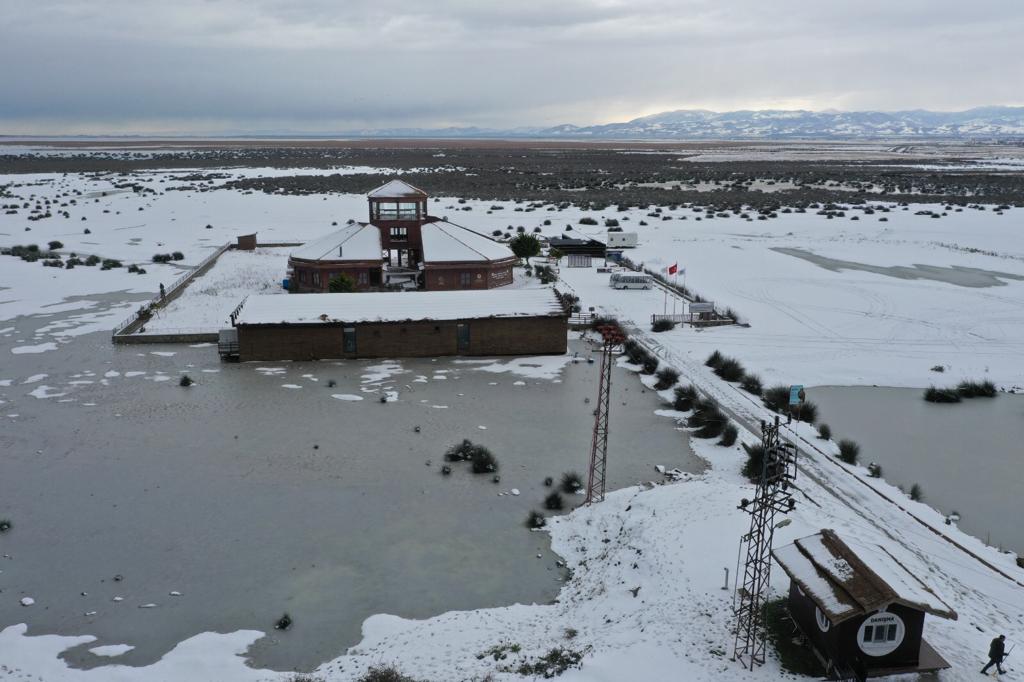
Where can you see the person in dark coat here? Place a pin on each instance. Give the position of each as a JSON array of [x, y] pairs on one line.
[[996, 654]]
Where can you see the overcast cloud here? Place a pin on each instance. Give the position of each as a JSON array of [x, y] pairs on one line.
[[207, 66]]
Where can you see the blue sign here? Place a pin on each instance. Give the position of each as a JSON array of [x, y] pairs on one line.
[[796, 394]]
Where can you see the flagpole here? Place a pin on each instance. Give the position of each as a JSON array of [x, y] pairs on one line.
[[664, 307], [675, 295]]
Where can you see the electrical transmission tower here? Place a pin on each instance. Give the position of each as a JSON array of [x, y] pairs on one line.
[[778, 470], [612, 337]]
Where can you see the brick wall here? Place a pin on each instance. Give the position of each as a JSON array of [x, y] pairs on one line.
[[498, 336], [482, 276]]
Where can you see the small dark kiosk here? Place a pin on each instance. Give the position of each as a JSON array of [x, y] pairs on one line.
[[859, 608]]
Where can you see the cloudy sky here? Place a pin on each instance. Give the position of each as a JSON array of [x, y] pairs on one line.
[[207, 66]]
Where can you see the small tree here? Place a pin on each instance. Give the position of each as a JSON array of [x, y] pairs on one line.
[[341, 284], [525, 246]]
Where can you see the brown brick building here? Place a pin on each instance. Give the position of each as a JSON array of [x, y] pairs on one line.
[[401, 246], [401, 324]]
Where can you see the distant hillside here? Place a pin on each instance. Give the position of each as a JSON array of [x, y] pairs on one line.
[[691, 124]]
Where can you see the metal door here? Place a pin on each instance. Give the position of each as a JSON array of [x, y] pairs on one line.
[[462, 334]]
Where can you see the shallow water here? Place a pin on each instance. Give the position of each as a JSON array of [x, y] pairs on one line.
[[965, 456], [253, 499]]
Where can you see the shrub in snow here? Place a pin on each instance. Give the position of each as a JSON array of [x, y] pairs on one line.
[[730, 369], [161, 258], [649, 365], [806, 412], [938, 368], [755, 462], [824, 431], [177, 255], [185, 380], [5, 525], [110, 263], [546, 275], [283, 623], [548, 482], [708, 420], [941, 395], [976, 389], [777, 398], [729, 436], [553, 663], [752, 384], [874, 470], [554, 502], [571, 483], [54, 245], [535, 520], [667, 377], [481, 459], [916, 493], [384, 673], [86, 230], [848, 451], [686, 397], [663, 326], [715, 359], [611, 222], [586, 220], [92, 260], [305, 678]]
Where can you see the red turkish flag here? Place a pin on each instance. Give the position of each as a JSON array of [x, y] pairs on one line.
[[672, 269]]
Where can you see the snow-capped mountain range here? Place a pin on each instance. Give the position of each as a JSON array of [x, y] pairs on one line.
[[697, 124]]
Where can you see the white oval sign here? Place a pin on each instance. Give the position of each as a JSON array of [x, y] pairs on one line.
[[881, 634]]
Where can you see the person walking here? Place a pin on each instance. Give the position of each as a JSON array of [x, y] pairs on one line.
[[996, 654]]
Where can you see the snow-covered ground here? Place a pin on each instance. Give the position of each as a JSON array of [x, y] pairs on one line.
[[809, 325], [818, 326], [206, 303]]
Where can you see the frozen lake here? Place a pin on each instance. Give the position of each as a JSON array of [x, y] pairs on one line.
[[258, 492], [965, 456]]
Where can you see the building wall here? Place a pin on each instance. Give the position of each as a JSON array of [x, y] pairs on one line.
[[448, 276], [246, 242], [839, 644], [303, 279], [487, 336]]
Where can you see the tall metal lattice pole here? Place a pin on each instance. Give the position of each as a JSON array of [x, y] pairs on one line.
[[772, 496], [612, 336]]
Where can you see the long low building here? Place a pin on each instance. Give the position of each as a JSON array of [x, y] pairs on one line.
[[401, 324]]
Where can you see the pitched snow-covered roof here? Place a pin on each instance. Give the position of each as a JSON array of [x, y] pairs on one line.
[[445, 242], [266, 309], [844, 583], [397, 189], [356, 241]]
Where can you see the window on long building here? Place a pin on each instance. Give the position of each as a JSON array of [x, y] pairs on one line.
[[465, 279]]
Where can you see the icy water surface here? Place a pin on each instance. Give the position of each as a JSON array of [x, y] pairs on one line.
[[954, 274], [263, 490], [965, 456]]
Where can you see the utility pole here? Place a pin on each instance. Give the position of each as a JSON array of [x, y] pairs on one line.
[[611, 337], [772, 496]]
